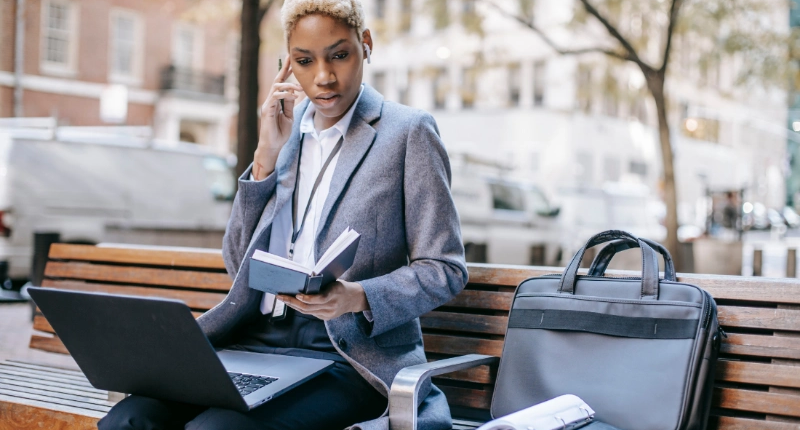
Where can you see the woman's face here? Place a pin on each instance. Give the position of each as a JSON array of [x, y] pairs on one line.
[[327, 61]]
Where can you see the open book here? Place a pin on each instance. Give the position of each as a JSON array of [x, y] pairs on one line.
[[277, 275]]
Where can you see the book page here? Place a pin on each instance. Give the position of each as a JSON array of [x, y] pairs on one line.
[[341, 243], [276, 260]]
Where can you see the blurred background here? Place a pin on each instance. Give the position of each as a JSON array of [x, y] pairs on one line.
[[677, 120]]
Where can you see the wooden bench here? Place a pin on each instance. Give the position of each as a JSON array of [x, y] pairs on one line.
[[758, 378]]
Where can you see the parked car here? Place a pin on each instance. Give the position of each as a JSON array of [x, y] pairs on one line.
[[108, 189], [791, 217]]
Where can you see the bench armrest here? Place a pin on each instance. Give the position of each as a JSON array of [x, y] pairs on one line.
[[405, 387]]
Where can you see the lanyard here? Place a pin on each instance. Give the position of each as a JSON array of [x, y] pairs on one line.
[[296, 232]]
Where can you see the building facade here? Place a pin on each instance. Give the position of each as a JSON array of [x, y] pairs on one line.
[[164, 64], [499, 92]]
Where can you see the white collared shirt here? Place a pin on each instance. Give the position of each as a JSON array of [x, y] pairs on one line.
[[316, 149]]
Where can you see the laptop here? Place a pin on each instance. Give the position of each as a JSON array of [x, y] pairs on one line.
[[154, 347]]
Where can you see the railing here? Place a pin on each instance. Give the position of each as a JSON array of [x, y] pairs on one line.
[[174, 78]]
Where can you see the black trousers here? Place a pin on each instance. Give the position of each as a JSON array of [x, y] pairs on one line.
[[334, 400]]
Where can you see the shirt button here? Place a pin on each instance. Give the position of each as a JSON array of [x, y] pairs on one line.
[[342, 344]]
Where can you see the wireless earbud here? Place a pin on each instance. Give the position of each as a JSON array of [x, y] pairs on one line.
[[367, 50]]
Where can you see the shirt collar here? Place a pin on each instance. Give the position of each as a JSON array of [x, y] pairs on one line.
[[307, 122]]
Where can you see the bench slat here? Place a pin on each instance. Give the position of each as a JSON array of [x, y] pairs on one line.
[[757, 401], [480, 375], [55, 386], [58, 394], [160, 256], [40, 323], [456, 345], [467, 397], [464, 322], [47, 388], [731, 423], [139, 275], [762, 346], [476, 299], [55, 400], [194, 299], [48, 369], [759, 373], [26, 414], [44, 376], [721, 287], [766, 318], [50, 344]]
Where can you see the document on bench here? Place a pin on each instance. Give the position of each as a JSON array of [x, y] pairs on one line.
[[563, 412], [277, 275]]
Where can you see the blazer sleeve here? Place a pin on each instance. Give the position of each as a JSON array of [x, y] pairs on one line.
[[248, 205], [436, 271]]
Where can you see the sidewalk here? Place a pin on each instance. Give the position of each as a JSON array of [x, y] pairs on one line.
[[15, 333]]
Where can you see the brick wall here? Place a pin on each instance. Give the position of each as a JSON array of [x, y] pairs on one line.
[[79, 111], [93, 53], [7, 13]]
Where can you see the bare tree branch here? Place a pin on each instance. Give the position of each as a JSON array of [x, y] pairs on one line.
[[673, 19], [553, 45], [616, 34]]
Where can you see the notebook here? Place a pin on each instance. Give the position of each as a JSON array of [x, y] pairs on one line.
[[277, 275]]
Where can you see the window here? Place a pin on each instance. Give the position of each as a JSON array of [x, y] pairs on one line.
[[187, 47], [612, 169], [219, 178], [514, 84], [380, 9], [441, 86], [405, 15], [470, 18], [441, 15], [126, 46], [507, 197], [379, 82], [539, 68], [584, 168], [232, 66], [638, 168], [469, 91], [585, 88], [59, 24], [404, 87]]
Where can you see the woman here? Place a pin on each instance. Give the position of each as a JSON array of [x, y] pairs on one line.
[[380, 168]]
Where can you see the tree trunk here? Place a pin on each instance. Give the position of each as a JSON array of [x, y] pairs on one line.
[[247, 121], [655, 83]]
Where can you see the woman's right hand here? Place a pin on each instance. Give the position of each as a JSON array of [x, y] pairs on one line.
[[276, 125]]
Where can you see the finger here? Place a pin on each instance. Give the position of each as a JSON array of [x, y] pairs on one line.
[[273, 109], [286, 86], [288, 104], [315, 299], [285, 71]]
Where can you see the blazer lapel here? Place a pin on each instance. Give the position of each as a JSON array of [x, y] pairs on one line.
[[359, 139]]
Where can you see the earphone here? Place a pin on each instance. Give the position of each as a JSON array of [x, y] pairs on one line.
[[366, 48]]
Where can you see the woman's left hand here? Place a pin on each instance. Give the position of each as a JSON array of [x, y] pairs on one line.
[[338, 298]]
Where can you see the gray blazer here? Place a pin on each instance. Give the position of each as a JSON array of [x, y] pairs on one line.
[[392, 185]]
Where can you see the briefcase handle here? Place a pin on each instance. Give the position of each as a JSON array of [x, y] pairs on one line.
[[649, 264], [600, 263]]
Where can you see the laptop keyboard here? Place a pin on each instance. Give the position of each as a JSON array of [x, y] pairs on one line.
[[247, 384]]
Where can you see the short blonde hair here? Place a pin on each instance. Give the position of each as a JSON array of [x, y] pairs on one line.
[[348, 11]]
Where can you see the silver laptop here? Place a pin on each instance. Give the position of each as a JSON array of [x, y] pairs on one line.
[[154, 347]]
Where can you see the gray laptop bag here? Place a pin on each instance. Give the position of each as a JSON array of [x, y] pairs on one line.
[[640, 351]]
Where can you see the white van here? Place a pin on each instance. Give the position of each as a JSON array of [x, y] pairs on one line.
[[504, 221], [94, 187]]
